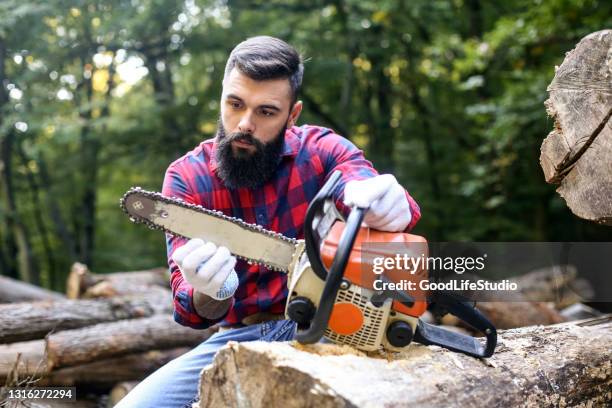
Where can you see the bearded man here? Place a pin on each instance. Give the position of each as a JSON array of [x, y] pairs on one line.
[[263, 169]]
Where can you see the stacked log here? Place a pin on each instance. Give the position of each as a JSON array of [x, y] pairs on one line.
[[83, 284], [12, 291], [26, 321], [110, 329]]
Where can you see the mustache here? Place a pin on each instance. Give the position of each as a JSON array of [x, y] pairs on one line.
[[242, 137]]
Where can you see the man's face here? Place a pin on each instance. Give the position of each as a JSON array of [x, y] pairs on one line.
[[261, 108], [250, 136]]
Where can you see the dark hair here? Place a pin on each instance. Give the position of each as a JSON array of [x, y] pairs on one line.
[[264, 57]]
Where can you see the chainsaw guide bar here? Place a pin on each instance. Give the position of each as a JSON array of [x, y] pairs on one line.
[[249, 242]]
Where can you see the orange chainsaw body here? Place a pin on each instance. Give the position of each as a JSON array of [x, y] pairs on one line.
[[359, 270]]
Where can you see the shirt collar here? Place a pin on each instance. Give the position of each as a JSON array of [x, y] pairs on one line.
[[290, 146]]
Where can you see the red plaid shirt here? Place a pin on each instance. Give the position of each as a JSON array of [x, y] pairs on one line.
[[310, 155]]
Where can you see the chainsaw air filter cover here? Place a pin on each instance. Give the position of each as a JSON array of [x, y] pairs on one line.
[[369, 245]]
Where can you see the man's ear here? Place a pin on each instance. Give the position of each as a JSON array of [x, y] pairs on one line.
[[295, 114]]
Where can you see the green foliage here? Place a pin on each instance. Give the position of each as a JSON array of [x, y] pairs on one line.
[[448, 95]]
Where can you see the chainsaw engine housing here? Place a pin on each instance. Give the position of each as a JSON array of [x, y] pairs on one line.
[[355, 320], [332, 291]]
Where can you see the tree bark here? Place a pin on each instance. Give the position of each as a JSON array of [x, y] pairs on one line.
[[26, 321], [82, 283], [12, 290], [563, 365], [576, 154], [74, 347]]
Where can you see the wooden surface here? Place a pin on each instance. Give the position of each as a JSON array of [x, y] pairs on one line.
[[74, 347], [82, 283], [26, 321], [562, 365], [577, 154], [131, 367], [12, 291]]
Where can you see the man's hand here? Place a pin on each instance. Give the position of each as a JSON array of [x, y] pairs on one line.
[[210, 270], [389, 208]]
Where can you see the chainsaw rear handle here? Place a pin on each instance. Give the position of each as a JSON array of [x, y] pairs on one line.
[[333, 276], [434, 335]]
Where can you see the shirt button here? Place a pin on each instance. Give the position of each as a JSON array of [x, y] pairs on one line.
[[261, 217]]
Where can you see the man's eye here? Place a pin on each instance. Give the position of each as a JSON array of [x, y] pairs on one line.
[[266, 112]]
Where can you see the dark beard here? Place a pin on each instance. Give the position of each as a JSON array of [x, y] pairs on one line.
[[243, 169]]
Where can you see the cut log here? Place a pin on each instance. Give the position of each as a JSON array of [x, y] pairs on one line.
[[512, 309], [559, 284], [26, 321], [22, 360], [79, 346], [563, 365], [510, 315], [82, 283], [576, 154], [133, 367], [12, 290]]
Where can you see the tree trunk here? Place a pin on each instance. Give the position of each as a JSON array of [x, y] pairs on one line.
[[12, 291], [576, 154], [26, 321], [24, 257], [61, 227], [7, 262], [41, 227], [73, 347], [564, 365], [90, 147]]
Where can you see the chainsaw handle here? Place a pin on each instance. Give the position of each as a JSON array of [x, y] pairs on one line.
[[333, 280], [433, 335], [332, 277], [311, 237]]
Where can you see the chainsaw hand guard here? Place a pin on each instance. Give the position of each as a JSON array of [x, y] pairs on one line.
[[429, 334], [333, 276]]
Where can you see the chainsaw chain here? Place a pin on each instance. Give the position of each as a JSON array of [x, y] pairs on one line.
[[214, 213]]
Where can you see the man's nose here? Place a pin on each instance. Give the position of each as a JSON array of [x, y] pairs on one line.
[[246, 124]]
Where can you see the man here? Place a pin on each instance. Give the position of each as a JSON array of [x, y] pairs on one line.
[[265, 170]]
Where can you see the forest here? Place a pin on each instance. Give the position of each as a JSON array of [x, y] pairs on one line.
[[99, 96]]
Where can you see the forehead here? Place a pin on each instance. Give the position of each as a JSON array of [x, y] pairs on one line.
[[257, 92]]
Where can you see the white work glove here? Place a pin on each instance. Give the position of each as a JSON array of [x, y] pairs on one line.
[[210, 270], [386, 198]]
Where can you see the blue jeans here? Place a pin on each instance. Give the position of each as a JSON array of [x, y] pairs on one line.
[[175, 385]]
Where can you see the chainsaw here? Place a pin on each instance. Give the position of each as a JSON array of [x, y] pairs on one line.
[[330, 293]]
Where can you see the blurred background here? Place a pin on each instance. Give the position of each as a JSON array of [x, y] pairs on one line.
[[98, 96]]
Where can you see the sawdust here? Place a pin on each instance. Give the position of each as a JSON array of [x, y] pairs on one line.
[[322, 349], [325, 349]]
